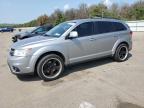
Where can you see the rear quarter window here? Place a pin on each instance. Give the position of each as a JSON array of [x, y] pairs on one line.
[[101, 27], [118, 27]]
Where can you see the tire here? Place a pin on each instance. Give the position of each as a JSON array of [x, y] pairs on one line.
[[121, 53], [14, 39], [48, 65]]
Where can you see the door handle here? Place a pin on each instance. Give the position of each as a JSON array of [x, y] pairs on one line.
[[92, 39]]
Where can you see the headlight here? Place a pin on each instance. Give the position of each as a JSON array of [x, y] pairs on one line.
[[21, 52]]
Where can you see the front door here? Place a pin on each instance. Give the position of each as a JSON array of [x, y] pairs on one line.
[[80, 48]]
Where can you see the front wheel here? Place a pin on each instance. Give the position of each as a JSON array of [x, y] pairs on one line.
[[121, 53], [50, 67]]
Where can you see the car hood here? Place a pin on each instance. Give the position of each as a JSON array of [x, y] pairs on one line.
[[21, 34], [38, 40]]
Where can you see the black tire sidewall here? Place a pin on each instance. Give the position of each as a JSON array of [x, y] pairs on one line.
[[40, 63], [116, 55]]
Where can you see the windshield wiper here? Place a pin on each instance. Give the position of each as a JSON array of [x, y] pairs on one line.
[[46, 35]]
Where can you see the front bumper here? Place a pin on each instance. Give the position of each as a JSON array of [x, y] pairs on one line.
[[20, 65]]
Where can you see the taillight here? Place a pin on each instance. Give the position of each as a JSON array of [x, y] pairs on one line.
[[131, 33]]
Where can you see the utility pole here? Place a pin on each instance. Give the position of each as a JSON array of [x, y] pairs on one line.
[[102, 11]]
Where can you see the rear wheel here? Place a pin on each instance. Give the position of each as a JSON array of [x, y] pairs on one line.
[[121, 53], [50, 67]]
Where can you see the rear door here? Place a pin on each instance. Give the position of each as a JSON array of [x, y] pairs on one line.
[[104, 38]]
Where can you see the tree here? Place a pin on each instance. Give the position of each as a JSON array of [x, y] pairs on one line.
[[99, 10], [114, 11], [125, 12], [134, 11], [59, 17], [82, 12], [137, 10], [70, 14], [42, 20]]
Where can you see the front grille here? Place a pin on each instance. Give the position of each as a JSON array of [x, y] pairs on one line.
[[12, 52]]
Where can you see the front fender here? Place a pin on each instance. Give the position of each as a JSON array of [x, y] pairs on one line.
[[44, 50]]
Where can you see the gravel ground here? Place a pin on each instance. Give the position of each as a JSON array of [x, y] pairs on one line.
[[98, 84]]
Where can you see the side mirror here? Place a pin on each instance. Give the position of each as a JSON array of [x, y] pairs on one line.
[[36, 33], [73, 34]]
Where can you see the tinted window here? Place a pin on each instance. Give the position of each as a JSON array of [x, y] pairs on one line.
[[103, 27], [85, 29], [118, 26], [41, 29], [48, 28], [107, 27]]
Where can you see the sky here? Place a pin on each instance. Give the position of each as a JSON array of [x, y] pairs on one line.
[[21, 11]]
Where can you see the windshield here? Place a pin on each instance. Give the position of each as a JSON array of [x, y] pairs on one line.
[[37, 29], [59, 29]]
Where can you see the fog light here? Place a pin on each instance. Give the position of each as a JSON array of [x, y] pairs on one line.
[[16, 69]]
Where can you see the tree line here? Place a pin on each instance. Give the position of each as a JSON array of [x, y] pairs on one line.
[[125, 12]]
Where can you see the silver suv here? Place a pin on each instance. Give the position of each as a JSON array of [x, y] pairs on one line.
[[70, 42]]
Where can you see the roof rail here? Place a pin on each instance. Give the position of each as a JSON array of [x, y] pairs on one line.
[[98, 17]]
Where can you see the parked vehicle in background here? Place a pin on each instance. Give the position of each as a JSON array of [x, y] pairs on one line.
[[7, 29], [70, 42], [27, 34]]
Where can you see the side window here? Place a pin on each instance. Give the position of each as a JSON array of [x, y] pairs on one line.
[[101, 27], [39, 30], [85, 29], [45, 29], [96, 28], [48, 28], [118, 26]]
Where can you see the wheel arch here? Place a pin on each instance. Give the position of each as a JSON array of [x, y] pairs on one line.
[[47, 53], [117, 44]]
